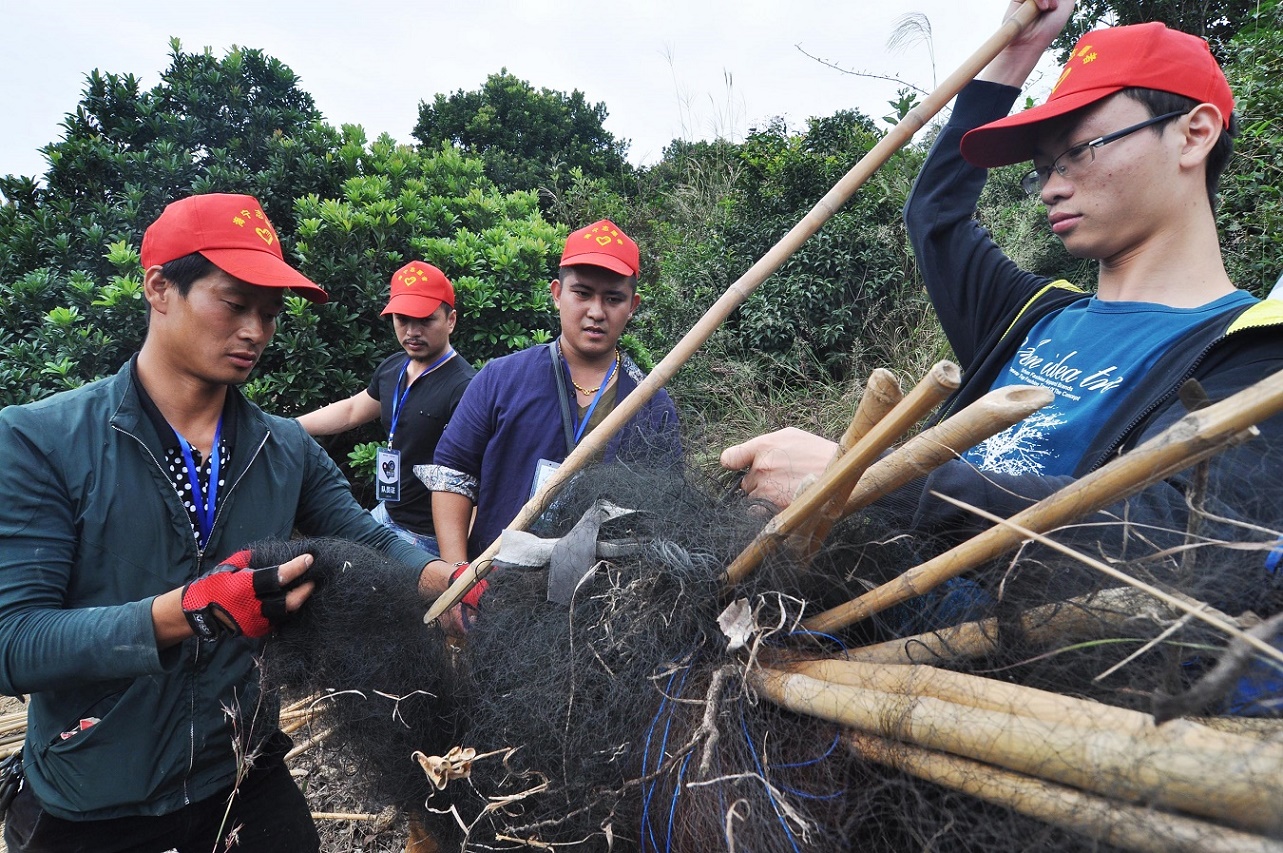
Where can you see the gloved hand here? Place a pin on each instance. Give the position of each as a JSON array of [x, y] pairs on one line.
[[471, 601], [235, 599]]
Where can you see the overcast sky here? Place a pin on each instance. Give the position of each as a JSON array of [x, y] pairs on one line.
[[665, 69]]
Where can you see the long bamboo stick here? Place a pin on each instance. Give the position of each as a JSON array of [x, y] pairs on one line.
[[1240, 786], [930, 392], [1197, 436], [1118, 824], [741, 288]]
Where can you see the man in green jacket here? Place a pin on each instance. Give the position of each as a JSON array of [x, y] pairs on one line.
[[126, 611]]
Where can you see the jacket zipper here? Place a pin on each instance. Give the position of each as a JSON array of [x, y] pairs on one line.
[[200, 566]]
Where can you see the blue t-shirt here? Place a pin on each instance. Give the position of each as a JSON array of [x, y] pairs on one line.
[[1089, 354]]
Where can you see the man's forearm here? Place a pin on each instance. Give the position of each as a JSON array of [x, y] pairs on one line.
[[451, 514]]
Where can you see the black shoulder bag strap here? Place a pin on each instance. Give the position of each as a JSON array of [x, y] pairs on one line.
[[567, 421]]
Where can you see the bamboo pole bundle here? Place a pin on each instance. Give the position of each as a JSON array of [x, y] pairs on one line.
[[1195, 437], [1235, 781], [1118, 824], [740, 290], [841, 477]]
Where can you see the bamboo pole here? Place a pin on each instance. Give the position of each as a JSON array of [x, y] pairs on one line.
[[1117, 824], [1099, 614], [931, 390], [1174, 768], [741, 288], [1197, 436], [882, 393]]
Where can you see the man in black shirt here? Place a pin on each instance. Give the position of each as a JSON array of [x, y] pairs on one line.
[[414, 393]]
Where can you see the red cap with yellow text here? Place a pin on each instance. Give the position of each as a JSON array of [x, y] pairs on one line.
[[1145, 56], [233, 233], [602, 244], [418, 289]]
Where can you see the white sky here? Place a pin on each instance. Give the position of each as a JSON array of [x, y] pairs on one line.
[[665, 69]]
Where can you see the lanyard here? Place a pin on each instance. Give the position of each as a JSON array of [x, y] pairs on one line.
[[205, 504], [398, 400], [579, 430]]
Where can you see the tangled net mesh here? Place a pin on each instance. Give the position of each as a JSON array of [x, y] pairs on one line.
[[629, 720]]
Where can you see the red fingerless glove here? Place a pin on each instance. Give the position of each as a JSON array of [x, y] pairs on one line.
[[234, 599], [471, 601]]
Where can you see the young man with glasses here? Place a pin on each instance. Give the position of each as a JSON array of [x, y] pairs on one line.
[[1126, 155]]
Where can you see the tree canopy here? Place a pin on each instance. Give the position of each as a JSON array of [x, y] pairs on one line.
[[528, 138]]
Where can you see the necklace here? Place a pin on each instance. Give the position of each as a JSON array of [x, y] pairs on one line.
[[590, 391]]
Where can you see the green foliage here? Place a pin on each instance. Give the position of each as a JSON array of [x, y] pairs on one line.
[[407, 203], [1215, 20], [822, 308], [349, 213], [1251, 207], [528, 139]]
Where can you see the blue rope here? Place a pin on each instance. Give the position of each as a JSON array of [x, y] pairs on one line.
[[665, 712], [757, 762], [672, 807]]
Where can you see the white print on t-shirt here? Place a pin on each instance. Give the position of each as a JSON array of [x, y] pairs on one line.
[[1020, 449], [1059, 373]]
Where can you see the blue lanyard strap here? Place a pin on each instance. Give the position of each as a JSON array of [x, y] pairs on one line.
[[398, 400], [205, 504], [579, 430]]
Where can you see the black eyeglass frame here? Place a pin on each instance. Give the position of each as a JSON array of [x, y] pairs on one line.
[[1035, 180]]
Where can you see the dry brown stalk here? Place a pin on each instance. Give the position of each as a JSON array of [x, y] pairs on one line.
[[1197, 436], [344, 816], [301, 704], [303, 747], [1179, 766], [739, 290], [1117, 824], [13, 721], [841, 477], [1101, 614]]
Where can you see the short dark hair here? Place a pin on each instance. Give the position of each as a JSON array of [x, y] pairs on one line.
[[183, 272], [1158, 102], [630, 280]]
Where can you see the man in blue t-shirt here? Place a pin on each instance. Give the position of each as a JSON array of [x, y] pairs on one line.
[[525, 412], [414, 393], [1126, 154]]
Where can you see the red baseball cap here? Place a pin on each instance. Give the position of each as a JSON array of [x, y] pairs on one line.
[[602, 244], [233, 233], [418, 289], [1146, 56]]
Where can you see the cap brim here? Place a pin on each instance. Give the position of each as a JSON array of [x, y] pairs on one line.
[[264, 269], [599, 259], [412, 305], [1011, 139]]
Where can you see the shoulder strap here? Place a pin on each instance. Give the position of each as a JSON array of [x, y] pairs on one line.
[[567, 420]]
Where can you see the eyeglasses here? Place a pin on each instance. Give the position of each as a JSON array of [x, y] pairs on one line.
[[1074, 160]]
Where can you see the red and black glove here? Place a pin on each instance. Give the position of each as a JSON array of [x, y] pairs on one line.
[[235, 599], [471, 600]]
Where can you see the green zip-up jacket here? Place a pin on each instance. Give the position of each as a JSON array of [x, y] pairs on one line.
[[91, 530]]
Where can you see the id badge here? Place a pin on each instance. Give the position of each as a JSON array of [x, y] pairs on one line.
[[387, 475], [543, 470]]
